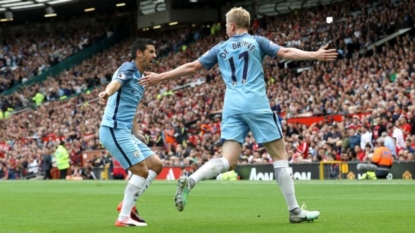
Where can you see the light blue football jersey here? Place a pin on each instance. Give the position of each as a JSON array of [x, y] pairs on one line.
[[240, 62], [122, 105]]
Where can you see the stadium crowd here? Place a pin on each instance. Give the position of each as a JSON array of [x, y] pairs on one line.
[[374, 90], [31, 49]]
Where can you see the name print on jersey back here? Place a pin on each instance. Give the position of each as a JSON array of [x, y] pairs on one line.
[[238, 45], [235, 53]]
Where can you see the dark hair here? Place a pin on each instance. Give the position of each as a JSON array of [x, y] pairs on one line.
[[140, 44]]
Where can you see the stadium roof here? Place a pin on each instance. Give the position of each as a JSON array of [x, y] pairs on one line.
[[17, 5], [24, 10]]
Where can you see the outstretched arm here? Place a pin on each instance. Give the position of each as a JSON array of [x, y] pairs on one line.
[[183, 70], [271, 49], [293, 54], [207, 60]]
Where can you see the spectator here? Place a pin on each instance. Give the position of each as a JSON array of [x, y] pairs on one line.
[[3, 172], [398, 134], [62, 160], [359, 153], [389, 143], [117, 172], [180, 133], [354, 139], [32, 168], [368, 150], [405, 127], [408, 146], [193, 168], [366, 138], [98, 161], [46, 164], [76, 173], [302, 148], [334, 135], [89, 175]]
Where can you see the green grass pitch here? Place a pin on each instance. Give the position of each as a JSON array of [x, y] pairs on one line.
[[213, 206]]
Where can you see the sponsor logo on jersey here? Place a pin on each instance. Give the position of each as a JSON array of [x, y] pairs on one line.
[[121, 75]]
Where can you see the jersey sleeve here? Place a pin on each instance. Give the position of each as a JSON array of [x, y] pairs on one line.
[[124, 73], [210, 58], [267, 47]]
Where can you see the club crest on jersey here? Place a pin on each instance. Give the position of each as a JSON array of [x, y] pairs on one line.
[[121, 75]]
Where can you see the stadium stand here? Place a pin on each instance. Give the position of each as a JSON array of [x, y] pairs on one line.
[[327, 110], [31, 49]]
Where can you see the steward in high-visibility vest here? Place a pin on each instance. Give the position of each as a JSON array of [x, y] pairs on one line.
[[382, 158], [62, 160], [38, 98], [381, 162]]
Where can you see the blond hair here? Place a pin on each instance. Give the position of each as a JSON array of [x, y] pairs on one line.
[[239, 16]]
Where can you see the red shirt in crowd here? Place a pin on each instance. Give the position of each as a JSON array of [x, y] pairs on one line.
[[398, 149], [255, 146], [354, 126], [3, 148], [193, 139], [118, 169], [53, 137], [406, 128], [376, 132], [361, 156], [302, 148], [88, 136]]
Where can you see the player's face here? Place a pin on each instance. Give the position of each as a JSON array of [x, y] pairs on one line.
[[147, 58]]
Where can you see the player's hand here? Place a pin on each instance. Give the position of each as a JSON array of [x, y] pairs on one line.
[[141, 138], [324, 54], [150, 79], [103, 97]]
